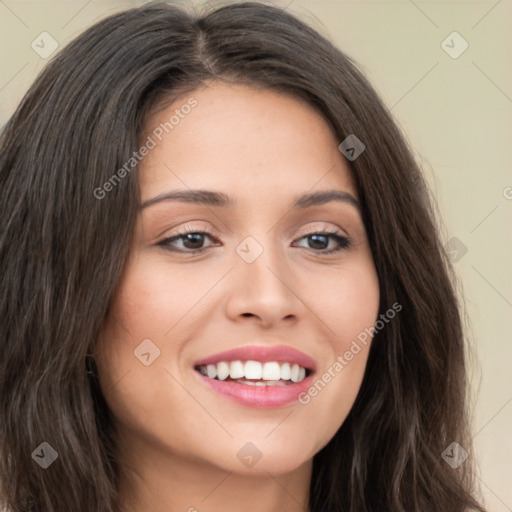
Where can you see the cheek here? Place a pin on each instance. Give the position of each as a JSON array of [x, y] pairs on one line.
[[349, 311], [347, 301], [154, 297], [357, 305], [151, 303]]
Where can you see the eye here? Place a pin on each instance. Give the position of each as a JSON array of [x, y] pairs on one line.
[[192, 240], [320, 240]]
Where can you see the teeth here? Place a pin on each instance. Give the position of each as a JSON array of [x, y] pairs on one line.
[[212, 371], [252, 370], [236, 370], [262, 383], [222, 370], [272, 371], [285, 371], [294, 373], [255, 373]]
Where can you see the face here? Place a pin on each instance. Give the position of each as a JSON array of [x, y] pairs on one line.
[[279, 280]]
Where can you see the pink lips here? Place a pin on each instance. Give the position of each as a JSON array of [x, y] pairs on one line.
[[253, 396], [259, 396], [280, 354]]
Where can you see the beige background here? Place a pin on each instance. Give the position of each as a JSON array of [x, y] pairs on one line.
[[457, 114]]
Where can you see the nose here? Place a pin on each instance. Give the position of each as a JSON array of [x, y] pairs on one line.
[[263, 291]]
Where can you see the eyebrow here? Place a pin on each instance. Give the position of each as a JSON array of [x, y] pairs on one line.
[[219, 199]]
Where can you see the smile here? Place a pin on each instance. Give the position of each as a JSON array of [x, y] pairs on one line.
[[255, 373], [257, 376]]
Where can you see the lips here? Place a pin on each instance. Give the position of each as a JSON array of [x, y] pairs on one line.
[[279, 354], [257, 376]]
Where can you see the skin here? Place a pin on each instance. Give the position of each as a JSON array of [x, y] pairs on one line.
[[178, 440]]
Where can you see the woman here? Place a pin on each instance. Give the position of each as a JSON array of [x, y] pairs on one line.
[[223, 286]]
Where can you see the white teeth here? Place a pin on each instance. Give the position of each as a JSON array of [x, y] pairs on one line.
[[275, 383], [255, 373], [253, 370], [262, 383], [271, 371], [285, 371], [222, 370], [212, 370], [253, 383], [294, 373], [236, 369]]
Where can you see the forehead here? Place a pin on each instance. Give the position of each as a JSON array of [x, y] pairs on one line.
[[241, 138]]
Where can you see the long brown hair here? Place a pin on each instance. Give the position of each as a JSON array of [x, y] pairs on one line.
[[62, 250]]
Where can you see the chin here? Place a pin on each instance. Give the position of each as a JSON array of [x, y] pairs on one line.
[[260, 457]]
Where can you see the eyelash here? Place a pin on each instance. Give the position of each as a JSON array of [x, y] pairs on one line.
[[343, 241]]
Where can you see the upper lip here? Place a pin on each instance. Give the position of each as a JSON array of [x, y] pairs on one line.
[[278, 353]]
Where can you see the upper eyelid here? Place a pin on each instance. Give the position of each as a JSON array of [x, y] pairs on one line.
[[327, 226], [186, 231], [327, 231]]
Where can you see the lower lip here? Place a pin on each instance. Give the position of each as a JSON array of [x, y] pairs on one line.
[[258, 396]]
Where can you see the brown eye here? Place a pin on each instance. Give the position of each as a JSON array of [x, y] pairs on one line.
[[191, 239], [320, 241]]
